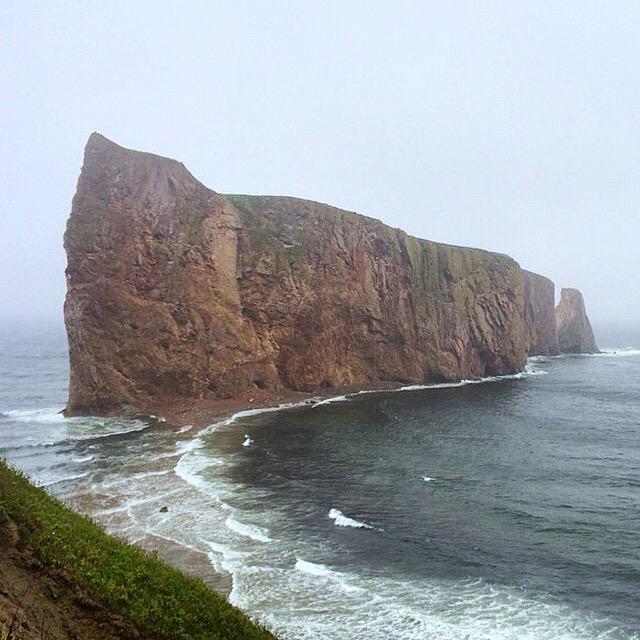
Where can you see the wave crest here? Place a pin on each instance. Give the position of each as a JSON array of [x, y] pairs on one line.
[[343, 521], [247, 530]]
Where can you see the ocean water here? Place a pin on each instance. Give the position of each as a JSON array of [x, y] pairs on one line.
[[503, 509]]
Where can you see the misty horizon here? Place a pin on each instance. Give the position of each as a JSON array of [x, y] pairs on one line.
[[508, 128]]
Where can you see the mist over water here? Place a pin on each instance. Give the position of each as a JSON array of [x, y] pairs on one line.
[[507, 509]]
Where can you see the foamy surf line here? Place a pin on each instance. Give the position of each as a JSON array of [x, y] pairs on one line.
[[245, 530], [605, 352], [610, 352], [192, 464], [90, 436], [69, 478], [528, 371], [248, 413], [323, 572], [68, 430], [49, 414], [186, 448]]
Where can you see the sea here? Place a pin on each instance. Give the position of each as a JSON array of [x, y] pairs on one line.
[[507, 508]]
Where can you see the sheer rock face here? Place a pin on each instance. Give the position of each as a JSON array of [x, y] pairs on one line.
[[575, 334], [539, 313], [177, 292], [152, 307]]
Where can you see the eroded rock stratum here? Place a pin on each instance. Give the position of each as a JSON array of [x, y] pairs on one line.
[[178, 292]]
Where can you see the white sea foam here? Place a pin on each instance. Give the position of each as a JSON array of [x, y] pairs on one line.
[[138, 426], [134, 478], [247, 413], [317, 570], [132, 503], [180, 543], [247, 530], [168, 454], [529, 370], [247, 440], [49, 483], [83, 459], [74, 429], [36, 415], [223, 557], [605, 352], [538, 358], [187, 446], [186, 428], [217, 562], [312, 568], [224, 550], [295, 604], [615, 353], [329, 401], [343, 521], [190, 466]]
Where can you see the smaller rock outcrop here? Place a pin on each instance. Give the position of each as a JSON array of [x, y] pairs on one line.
[[575, 334], [539, 314]]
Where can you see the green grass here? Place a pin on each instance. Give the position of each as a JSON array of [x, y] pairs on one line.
[[160, 601]]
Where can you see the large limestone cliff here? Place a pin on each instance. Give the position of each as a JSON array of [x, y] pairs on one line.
[[575, 334], [539, 313], [177, 292]]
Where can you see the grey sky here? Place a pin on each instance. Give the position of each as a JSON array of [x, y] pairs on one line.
[[512, 126]]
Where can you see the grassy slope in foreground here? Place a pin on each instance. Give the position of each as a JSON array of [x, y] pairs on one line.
[[159, 601]]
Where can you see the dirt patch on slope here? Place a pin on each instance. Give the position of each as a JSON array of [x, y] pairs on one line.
[[39, 604]]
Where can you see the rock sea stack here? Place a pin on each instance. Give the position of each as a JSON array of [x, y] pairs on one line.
[[575, 334], [176, 292]]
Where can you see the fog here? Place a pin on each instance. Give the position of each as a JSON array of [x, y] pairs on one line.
[[512, 126]]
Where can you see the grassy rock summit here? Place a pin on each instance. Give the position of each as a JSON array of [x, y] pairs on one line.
[[177, 292]]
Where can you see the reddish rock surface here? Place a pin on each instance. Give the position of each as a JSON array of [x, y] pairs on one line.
[[539, 313], [176, 292], [575, 334]]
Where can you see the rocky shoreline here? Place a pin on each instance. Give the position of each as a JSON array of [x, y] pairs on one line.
[[203, 412]]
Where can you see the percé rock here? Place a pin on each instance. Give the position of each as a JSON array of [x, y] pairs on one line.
[[575, 334], [539, 312], [177, 292]]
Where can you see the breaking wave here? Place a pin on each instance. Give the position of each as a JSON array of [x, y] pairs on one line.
[[248, 530], [343, 521]]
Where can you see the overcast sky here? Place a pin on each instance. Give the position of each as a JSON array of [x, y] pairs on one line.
[[512, 126]]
